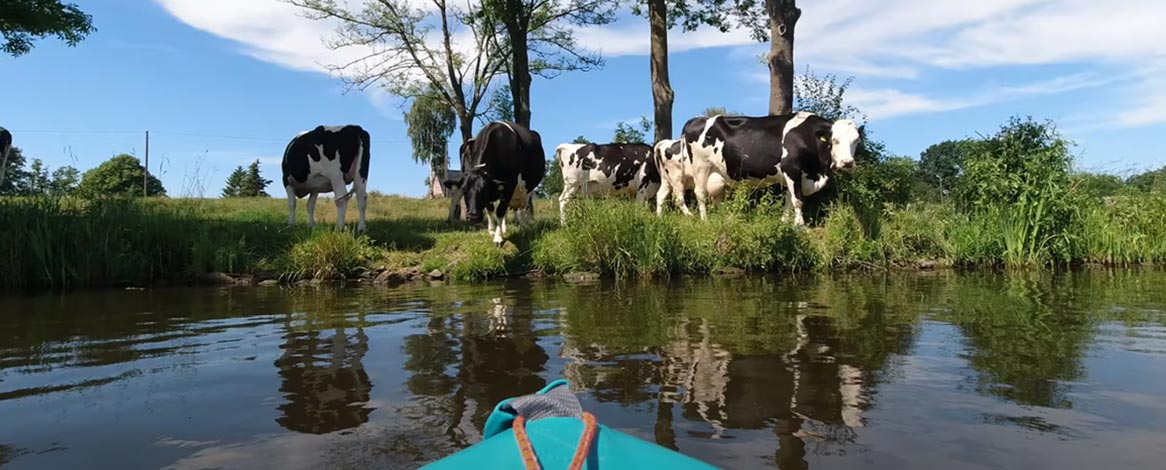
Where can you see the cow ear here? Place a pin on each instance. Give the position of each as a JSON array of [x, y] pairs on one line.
[[452, 184]]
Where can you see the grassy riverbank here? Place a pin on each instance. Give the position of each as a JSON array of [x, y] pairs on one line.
[[71, 242]]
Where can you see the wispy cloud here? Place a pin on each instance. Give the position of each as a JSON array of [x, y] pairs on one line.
[[889, 40]]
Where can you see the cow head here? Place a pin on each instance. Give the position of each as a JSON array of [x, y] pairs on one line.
[[479, 190], [840, 143]]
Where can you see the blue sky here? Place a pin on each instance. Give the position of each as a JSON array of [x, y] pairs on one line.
[[222, 82]]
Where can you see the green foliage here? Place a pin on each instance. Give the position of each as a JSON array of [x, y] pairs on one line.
[[941, 165], [552, 183], [1125, 230], [844, 242], [1021, 180], [16, 178], [621, 239], [22, 22], [1150, 181], [118, 176], [38, 181], [718, 111], [501, 105], [246, 182], [65, 180], [328, 255], [1098, 184], [580, 140], [430, 122], [825, 96], [632, 134]]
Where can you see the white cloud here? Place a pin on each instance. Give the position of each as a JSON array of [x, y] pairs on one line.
[[889, 39]]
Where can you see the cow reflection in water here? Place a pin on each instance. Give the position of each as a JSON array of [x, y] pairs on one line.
[[469, 360], [813, 395], [324, 381]]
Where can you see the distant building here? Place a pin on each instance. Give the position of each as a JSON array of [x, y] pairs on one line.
[[436, 189]]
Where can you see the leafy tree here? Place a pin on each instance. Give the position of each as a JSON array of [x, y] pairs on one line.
[[22, 22], [824, 96], [414, 52], [38, 178], [580, 140], [542, 30], [430, 123], [1020, 178], [1098, 184], [246, 182], [1025, 157], [664, 15], [632, 134], [553, 181], [718, 111], [1150, 181], [501, 105], [236, 183], [65, 180], [941, 165], [118, 176], [16, 178], [257, 185]]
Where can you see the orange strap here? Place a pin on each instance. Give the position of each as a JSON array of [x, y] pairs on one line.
[[530, 460]]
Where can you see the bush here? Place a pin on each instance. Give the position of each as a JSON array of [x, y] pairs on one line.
[[1021, 180], [328, 255]]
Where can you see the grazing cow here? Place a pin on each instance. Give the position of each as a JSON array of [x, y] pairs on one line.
[[5, 147], [676, 176], [327, 159], [502, 166], [798, 151], [624, 169]]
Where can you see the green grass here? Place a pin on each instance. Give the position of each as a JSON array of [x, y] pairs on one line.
[[70, 242]]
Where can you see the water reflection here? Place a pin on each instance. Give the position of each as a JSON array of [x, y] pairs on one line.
[[810, 379], [323, 380], [888, 371]]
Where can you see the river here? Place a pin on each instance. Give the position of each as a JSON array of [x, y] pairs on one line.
[[953, 371]]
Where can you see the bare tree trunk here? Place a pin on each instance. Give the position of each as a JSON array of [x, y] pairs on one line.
[[783, 17], [662, 95], [517, 26], [456, 204]]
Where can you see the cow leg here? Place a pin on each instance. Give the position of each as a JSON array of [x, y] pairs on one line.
[[503, 205], [564, 198], [291, 205], [340, 192], [662, 195], [360, 186], [700, 187], [526, 215], [312, 209], [793, 199]]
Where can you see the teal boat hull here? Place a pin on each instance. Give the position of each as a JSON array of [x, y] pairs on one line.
[[555, 439]]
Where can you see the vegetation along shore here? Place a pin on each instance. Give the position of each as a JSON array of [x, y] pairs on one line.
[[1010, 200]]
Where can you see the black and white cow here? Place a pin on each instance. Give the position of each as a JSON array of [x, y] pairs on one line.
[[5, 147], [592, 169], [798, 151], [676, 176], [501, 167], [327, 159]]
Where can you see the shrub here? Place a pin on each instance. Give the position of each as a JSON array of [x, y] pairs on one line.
[[328, 255]]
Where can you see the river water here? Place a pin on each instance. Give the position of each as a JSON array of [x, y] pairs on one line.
[[1058, 371]]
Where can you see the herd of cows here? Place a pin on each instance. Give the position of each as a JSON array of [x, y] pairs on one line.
[[504, 163]]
